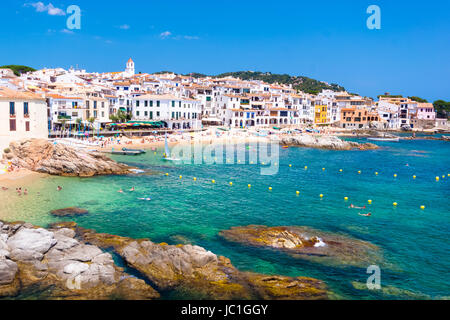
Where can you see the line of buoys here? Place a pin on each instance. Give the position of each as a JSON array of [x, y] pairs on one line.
[[437, 178]]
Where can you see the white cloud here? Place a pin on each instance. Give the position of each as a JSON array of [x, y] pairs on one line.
[[50, 9], [66, 31], [191, 37], [124, 27], [165, 34]]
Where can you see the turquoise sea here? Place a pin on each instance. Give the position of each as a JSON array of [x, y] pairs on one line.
[[415, 242]]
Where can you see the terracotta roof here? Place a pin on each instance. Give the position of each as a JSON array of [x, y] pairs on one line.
[[6, 93]]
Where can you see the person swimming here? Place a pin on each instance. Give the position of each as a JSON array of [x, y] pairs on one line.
[[145, 199], [132, 189], [59, 188], [352, 206], [365, 214], [120, 191]]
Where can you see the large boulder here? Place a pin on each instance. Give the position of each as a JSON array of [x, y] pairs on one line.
[[57, 159], [308, 244]]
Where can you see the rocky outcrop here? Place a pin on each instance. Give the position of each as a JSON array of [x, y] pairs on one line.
[[69, 212], [53, 264], [306, 243], [196, 272], [324, 142], [57, 159]]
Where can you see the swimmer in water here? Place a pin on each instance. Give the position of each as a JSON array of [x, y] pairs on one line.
[[352, 206], [59, 188], [145, 199], [132, 189], [365, 214], [120, 191]]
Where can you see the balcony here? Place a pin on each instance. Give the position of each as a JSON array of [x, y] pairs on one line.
[[61, 117]]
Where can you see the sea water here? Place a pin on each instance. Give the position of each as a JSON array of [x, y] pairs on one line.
[[414, 242]]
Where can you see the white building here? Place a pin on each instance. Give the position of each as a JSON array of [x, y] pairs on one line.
[[22, 115], [130, 71], [177, 113]]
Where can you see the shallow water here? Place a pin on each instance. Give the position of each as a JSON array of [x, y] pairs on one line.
[[415, 243]]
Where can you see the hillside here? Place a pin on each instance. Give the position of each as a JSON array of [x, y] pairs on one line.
[[18, 70], [302, 83]]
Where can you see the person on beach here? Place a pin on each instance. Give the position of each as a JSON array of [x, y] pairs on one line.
[[25, 192], [4, 188], [59, 188]]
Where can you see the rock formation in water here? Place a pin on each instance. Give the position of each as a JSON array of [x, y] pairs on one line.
[[192, 270], [69, 212], [57, 159], [306, 243], [53, 264], [324, 142]]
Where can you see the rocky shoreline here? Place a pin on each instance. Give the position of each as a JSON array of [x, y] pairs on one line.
[[42, 156], [325, 142], [66, 261]]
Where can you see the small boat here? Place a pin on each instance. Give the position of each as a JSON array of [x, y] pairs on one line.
[[126, 153], [138, 150], [285, 147], [395, 139], [166, 155]]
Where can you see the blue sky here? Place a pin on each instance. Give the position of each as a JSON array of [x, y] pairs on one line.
[[326, 40]]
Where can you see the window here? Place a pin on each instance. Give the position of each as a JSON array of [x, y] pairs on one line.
[[12, 124], [173, 103], [95, 104], [95, 114], [157, 103], [145, 113], [27, 126], [145, 103], [87, 103], [12, 109], [157, 113], [137, 113], [151, 103], [25, 108], [137, 103], [151, 115]]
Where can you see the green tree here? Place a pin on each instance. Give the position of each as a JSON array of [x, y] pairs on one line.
[[417, 99], [442, 108]]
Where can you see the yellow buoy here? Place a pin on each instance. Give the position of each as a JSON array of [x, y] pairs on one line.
[[290, 166], [167, 174], [369, 201], [213, 181], [195, 179], [231, 183], [395, 175], [262, 163], [155, 152], [249, 185], [414, 177], [340, 170], [297, 192], [395, 204], [306, 167], [443, 177], [323, 169], [270, 188], [376, 173], [437, 178], [359, 172], [321, 195], [239, 161], [345, 198], [251, 162], [422, 207], [181, 177], [448, 175]]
